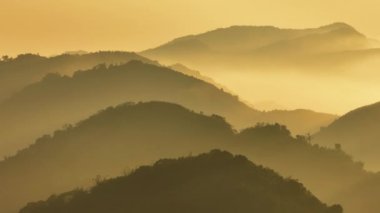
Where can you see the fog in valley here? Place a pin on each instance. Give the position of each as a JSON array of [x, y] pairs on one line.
[[194, 107]]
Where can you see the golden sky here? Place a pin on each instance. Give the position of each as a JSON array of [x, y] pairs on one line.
[[53, 26]]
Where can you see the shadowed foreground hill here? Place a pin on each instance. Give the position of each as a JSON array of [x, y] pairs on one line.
[[59, 100], [130, 135], [358, 133], [19, 72], [213, 182]]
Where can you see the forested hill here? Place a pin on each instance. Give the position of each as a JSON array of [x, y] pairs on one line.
[[16, 73], [58, 100], [120, 138], [213, 182]]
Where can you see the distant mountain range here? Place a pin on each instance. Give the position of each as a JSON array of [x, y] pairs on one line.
[[58, 100], [212, 182], [244, 47], [120, 138], [358, 134]]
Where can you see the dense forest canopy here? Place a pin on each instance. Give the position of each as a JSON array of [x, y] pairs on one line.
[[213, 182]]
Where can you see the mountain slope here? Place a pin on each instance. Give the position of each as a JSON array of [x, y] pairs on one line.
[[19, 72], [130, 135], [213, 182], [358, 133], [363, 196], [59, 100], [305, 117], [107, 143], [249, 46]]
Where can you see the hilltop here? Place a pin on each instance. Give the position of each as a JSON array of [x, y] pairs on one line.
[[120, 138], [242, 47], [58, 100], [25, 69], [213, 182], [357, 132]]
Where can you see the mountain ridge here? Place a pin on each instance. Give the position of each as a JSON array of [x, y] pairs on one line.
[[357, 132], [216, 181], [58, 100], [26, 69], [246, 45], [120, 138]]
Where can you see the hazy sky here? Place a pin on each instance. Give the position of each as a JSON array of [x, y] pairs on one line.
[[50, 27]]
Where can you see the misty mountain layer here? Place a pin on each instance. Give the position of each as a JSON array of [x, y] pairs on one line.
[[358, 133], [121, 138], [59, 100], [240, 47], [25, 69], [276, 68]]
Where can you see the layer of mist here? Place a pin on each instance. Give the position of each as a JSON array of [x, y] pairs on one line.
[[122, 138], [58, 100]]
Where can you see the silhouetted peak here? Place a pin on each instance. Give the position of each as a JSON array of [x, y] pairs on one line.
[[266, 131], [214, 158], [242, 39], [227, 30], [342, 28], [338, 25], [371, 112], [246, 28], [30, 57], [130, 65], [263, 29], [152, 108]]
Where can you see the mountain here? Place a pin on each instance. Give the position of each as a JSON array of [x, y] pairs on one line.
[[358, 133], [120, 138], [58, 100], [108, 143], [274, 147], [213, 182], [239, 47], [293, 68], [25, 69]]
